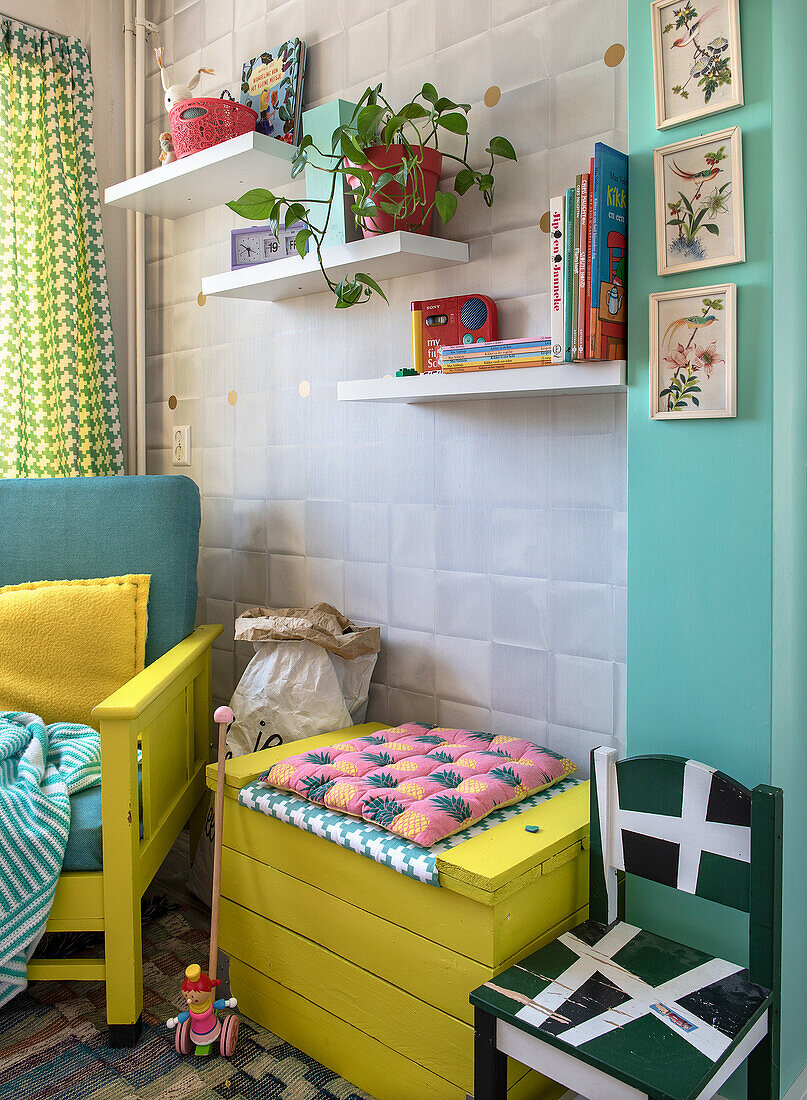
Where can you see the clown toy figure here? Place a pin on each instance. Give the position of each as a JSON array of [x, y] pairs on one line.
[[199, 1027]]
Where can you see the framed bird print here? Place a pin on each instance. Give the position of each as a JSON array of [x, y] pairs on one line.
[[696, 58], [693, 366], [700, 218]]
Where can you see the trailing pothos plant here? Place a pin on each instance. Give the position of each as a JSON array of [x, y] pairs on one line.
[[374, 122]]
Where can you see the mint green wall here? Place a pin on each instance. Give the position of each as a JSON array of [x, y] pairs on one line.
[[716, 509], [789, 666]]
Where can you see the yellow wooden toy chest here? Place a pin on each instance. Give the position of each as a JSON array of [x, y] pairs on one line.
[[369, 971]]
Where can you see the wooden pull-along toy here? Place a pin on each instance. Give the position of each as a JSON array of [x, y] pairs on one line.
[[199, 1027]]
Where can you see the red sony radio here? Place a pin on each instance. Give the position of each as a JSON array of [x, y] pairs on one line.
[[440, 322]]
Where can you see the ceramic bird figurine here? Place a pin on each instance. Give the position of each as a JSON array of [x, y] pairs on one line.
[[694, 324], [177, 93], [167, 154], [693, 29]]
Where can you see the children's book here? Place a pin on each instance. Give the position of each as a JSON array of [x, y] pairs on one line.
[[581, 277], [272, 85], [578, 187], [587, 310], [490, 347], [609, 257], [556, 273], [507, 363], [568, 271]]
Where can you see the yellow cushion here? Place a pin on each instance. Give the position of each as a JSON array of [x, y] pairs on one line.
[[66, 645]]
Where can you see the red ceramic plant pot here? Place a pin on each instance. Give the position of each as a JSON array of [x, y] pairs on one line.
[[381, 159]]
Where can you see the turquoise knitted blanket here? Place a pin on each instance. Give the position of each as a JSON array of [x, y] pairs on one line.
[[40, 767]]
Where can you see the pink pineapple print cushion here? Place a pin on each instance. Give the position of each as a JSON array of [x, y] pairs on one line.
[[421, 782]]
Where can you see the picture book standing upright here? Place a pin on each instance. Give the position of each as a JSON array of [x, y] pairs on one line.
[[557, 291], [609, 241], [272, 85], [582, 281], [568, 272]]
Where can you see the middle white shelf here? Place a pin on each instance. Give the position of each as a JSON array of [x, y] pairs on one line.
[[385, 257]]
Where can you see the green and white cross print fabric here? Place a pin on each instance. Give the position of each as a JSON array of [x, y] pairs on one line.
[[677, 822], [641, 1008], [59, 411]]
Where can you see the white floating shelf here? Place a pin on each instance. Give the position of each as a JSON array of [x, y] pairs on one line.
[[384, 257], [208, 178], [559, 378]]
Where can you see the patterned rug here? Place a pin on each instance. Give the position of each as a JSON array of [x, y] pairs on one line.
[[53, 1042]]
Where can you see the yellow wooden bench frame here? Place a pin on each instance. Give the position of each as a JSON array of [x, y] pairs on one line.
[[166, 711], [369, 971]]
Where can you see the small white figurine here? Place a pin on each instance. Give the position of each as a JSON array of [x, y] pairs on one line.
[[177, 93], [167, 154]]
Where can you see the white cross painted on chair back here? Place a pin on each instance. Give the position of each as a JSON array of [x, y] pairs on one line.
[[691, 831]]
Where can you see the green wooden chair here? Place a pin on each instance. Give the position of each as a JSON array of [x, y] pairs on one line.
[[615, 1012]]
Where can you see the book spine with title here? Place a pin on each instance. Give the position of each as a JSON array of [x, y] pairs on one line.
[[587, 303], [578, 187], [609, 257], [500, 364], [581, 274], [557, 286], [568, 271]]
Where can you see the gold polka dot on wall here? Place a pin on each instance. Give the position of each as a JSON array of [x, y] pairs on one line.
[[172, 402], [614, 55], [544, 222], [304, 389], [201, 298], [492, 96], [232, 397]]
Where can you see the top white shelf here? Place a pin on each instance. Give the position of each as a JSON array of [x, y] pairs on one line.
[[205, 179]]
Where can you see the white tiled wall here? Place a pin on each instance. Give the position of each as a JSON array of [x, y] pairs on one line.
[[487, 538]]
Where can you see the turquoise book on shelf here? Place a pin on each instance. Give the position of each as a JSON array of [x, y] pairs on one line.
[[609, 315]]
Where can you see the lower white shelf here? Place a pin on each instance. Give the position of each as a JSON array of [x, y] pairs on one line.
[[558, 378], [384, 257]]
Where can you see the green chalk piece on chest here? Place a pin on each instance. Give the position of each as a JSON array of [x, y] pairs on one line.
[[320, 123], [531, 829]]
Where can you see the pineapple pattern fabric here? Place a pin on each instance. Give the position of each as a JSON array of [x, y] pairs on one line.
[[421, 782]]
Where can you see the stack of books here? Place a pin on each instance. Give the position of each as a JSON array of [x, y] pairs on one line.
[[588, 276], [495, 355]]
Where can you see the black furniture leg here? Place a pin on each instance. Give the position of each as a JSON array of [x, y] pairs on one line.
[[763, 1072], [125, 1035], [490, 1065]]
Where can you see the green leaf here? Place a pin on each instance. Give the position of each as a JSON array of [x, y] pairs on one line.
[[711, 228], [464, 180], [301, 240], [368, 120], [695, 402], [501, 147], [372, 284], [298, 164], [429, 92], [351, 151], [485, 182], [456, 123], [414, 110], [383, 180], [254, 205], [394, 123], [294, 214], [446, 204]]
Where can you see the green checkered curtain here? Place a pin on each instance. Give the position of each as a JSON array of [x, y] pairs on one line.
[[59, 411]]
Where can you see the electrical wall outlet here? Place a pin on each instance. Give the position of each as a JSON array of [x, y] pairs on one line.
[[181, 436]]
